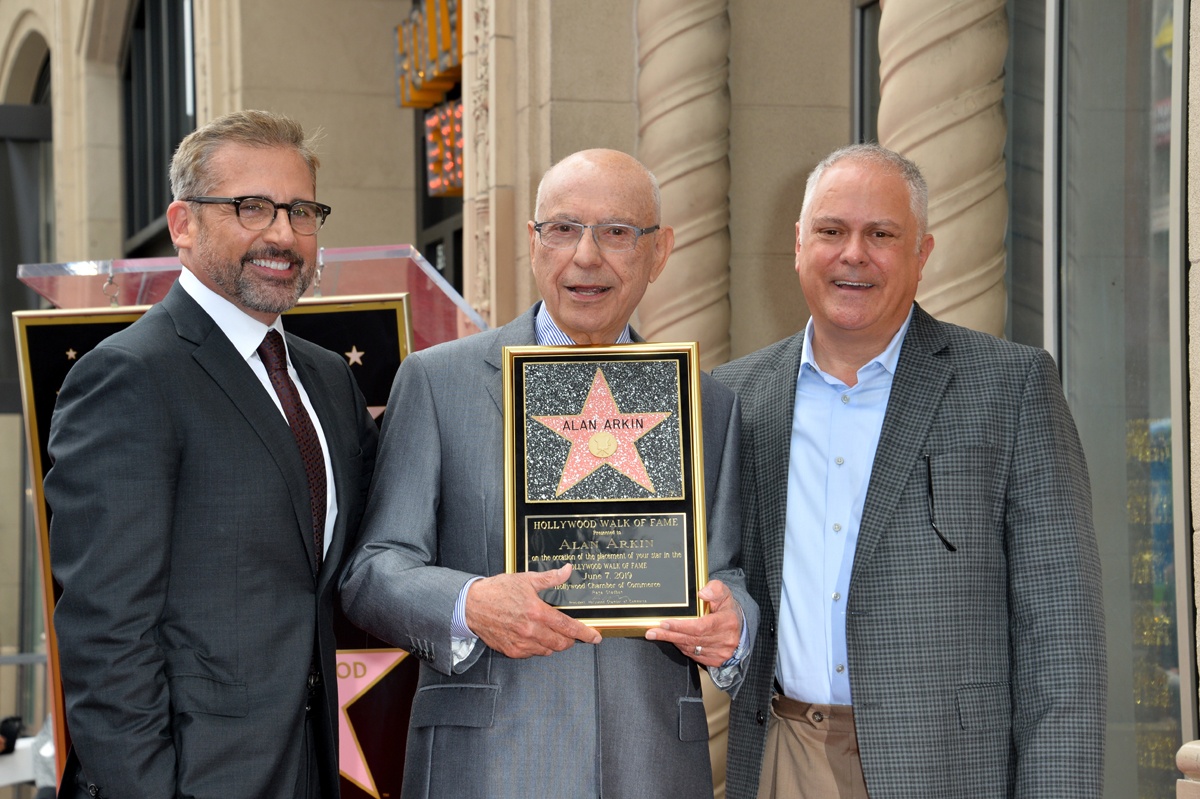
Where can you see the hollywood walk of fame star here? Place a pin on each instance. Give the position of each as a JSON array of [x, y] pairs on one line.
[[358, 671], [355, 356], [600, 434]]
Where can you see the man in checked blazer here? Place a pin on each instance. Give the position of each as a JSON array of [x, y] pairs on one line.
[[195, 625], [917, 531]]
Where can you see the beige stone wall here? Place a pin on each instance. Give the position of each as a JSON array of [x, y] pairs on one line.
[[346, 92], [572, 85], [791, 106]]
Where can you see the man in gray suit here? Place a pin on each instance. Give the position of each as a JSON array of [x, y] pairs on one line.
[[917, 532], [205, 486], [514, 697]]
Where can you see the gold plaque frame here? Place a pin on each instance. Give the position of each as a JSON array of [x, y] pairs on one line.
[[604, 469]]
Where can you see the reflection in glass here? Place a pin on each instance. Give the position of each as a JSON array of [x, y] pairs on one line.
[[1116, 267]]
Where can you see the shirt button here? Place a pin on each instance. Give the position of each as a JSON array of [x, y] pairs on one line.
[[839, 668], [845, 399], [837, 528], [836, 596], [839, 460]]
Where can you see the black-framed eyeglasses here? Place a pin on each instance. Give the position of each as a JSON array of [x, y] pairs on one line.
[[608, 236], [258, 213]]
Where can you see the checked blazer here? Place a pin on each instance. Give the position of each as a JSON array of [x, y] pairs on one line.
[[974, 673]]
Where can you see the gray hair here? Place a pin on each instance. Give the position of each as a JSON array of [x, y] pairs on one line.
[[875, 155], [191, 164]]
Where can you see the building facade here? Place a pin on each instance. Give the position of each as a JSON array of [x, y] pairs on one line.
[[1054, 133]]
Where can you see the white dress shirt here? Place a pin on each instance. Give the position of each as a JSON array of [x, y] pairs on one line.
[[246, 334]]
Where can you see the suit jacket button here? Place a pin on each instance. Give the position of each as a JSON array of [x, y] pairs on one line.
[[772, 628], [760, 718]]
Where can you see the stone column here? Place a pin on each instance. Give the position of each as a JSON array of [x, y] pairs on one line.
[[683, 137], [489, 223], [942, 94]]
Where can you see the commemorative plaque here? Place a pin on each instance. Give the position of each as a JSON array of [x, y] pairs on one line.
[[604, 469]]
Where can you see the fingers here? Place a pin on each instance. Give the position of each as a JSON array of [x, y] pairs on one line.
[[508, 615], [540, 581], [710, 640]]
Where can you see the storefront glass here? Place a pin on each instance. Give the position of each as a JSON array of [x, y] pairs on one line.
[[1119, 345]]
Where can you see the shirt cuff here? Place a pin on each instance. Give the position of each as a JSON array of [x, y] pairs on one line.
[[462, 640], [724, 675]]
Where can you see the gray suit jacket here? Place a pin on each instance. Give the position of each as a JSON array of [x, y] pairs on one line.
[[975, 673], [182, 538], [620, 719]]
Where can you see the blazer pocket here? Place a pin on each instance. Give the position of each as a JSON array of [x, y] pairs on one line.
[[455, 706], [693, 721], [985, 707], [191, 693]]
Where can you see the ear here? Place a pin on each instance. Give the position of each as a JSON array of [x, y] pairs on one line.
[[532, 240], [664, 242], [182, 225], [923, 254]]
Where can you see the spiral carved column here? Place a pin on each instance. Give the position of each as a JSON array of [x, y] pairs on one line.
[[683, 137], [942, 94]]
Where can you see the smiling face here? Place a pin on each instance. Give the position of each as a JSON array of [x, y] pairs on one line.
[[262, 272], [858, 257], [591, 293]]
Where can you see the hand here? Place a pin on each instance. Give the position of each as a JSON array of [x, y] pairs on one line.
[[717, 633], [507, 614]]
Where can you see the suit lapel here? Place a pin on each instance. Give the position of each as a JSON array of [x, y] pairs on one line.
[[917, 389], [217, 357], [518, 333], [771, 422]]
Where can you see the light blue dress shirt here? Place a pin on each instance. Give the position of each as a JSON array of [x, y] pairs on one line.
[[835, 431]]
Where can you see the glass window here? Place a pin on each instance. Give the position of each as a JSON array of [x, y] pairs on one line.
[[866, 71], [159, 112], [1118, 279]]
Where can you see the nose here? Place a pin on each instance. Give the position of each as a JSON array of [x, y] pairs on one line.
[[587, 251], [855, 250], [280, 230]]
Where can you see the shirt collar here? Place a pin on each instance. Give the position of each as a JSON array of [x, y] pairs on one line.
[[888, 359], [550, 335], [244, 331]]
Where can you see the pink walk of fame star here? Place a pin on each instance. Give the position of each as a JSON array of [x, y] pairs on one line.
[[357, 672], [601, 434]]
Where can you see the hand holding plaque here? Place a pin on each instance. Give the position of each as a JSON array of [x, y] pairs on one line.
[[507, 614], [603, 471]]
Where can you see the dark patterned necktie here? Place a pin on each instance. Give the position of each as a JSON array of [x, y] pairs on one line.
[[274, 357]]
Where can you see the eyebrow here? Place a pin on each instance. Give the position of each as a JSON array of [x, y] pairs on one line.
[[835, 221]]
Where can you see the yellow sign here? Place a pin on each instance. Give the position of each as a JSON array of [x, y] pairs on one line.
[[428, 53]]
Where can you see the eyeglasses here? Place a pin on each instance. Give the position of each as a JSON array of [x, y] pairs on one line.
[[258, 213], [608, 237]]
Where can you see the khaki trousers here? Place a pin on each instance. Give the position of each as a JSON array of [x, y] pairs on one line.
[[812, 753]]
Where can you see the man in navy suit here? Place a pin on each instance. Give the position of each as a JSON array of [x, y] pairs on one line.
[[208, 478]]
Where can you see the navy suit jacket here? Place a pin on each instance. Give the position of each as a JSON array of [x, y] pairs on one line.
[[182, 537]]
